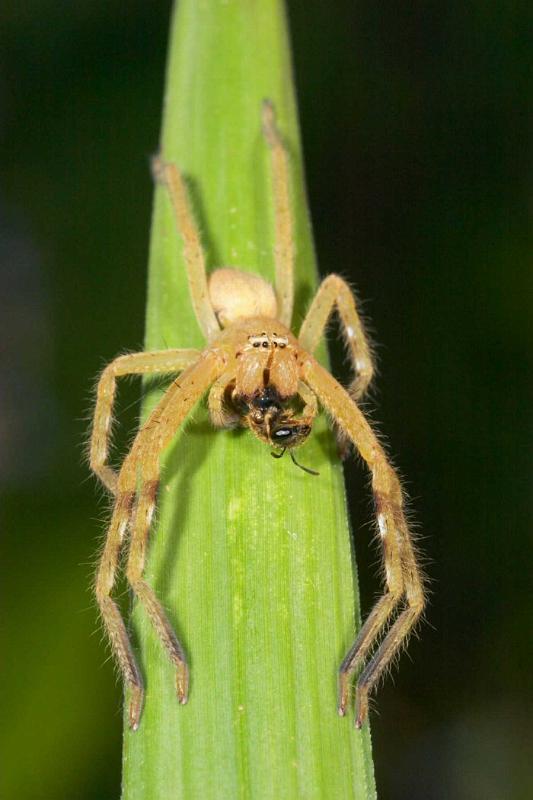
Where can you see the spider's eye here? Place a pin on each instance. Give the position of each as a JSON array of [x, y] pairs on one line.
[[282, 434]]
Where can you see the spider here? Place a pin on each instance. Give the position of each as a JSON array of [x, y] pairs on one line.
[[259, 375]]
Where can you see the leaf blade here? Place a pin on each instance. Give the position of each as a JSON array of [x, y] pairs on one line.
[[250, 556]]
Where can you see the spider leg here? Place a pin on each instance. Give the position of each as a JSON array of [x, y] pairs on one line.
[[149, 363], [334, 293], [135, 569], [310, 408], [171, 177], [403, 578], [113, 622], [221, 417], [143, 461], [391, 644], [284, 248]]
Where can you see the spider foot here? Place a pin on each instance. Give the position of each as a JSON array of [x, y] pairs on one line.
[[343, 694], [182, 683], [361, 709], [136, 706]]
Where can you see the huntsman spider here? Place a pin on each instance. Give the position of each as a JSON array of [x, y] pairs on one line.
[[256, 372]]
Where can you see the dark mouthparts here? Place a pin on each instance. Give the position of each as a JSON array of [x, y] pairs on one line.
[[267, 398]]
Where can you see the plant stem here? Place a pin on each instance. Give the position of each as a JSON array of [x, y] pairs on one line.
[[250, 556]]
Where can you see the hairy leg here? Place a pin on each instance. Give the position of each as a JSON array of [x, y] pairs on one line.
[[143, 462], [284, 247], [403, 577], [310, 409], [334, 293], [222, 417], [149, 363], [136, 563], [171, 177], [113, 622]]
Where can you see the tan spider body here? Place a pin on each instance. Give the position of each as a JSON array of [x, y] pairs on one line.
[[257, 374]]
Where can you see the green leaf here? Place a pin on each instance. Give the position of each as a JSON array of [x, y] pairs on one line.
[[250, 556]]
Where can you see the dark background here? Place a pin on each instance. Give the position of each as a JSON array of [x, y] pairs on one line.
[[414, 120]]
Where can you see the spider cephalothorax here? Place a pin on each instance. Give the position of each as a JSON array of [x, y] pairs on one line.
[[256, 373]]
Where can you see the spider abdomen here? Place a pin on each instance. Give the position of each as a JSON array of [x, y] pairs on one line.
[[237, 295]]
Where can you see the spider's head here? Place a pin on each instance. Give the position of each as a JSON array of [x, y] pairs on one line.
[[274, 424]]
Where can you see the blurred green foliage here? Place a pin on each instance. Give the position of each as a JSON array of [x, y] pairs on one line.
[[414, 121]]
